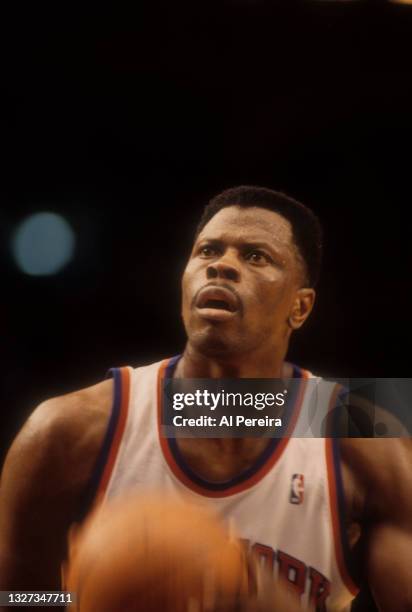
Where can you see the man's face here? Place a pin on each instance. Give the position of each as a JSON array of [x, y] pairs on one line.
[[241, 282]]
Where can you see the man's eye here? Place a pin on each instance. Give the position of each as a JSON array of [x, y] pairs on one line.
[[257, 257], [207, 251]]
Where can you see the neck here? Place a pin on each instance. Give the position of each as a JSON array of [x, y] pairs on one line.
[[256, 364], [219, 460]]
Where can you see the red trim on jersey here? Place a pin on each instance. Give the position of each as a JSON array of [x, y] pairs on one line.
[[334, 509], [118, 434], [257, 476], [330, 425]]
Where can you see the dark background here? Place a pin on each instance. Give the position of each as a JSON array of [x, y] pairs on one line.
[[127, 120]]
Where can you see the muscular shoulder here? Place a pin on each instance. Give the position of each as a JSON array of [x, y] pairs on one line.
[[65, 433], [51, 459], [73, 415], [380, 470]]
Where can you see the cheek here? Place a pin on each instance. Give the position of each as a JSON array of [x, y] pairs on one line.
[[272, 297], [184, 286], [273, 290], [188, 284]]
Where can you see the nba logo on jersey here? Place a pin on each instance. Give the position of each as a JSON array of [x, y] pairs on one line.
[[296, 489]]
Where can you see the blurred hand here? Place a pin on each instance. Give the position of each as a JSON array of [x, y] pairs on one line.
[[265, 594], [269, 594]]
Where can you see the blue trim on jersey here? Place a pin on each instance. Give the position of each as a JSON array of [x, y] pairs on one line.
[[170, 368], [347, 555], [261, 460], [104, 452]]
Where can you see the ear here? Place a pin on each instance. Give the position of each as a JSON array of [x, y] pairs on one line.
[[301, 307]]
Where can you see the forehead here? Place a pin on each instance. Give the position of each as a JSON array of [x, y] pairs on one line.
[[251, 224]]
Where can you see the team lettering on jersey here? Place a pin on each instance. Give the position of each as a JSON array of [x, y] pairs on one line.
[[298, 478], [298, 574]]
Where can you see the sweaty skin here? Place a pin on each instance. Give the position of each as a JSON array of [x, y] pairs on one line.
[[251, 254]]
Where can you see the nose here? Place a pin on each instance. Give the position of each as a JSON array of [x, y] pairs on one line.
[[223, 268]]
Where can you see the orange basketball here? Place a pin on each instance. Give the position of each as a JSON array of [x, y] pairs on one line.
[[154, 554]]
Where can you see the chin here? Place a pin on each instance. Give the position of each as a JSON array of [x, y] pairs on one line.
[[214, 343]]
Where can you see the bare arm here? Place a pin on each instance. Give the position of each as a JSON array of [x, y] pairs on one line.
[[384, 469], [44, 476], [390, 567]]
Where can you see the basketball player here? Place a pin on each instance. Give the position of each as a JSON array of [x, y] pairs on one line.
[[313, 510]]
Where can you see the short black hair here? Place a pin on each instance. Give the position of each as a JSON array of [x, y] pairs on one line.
[[306, 228]]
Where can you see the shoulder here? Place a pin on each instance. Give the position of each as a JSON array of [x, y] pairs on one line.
[[381, 471], [351, 413], [76, 416], [56, 449]]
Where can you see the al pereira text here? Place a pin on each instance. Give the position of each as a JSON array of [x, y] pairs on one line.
[[226, 421]]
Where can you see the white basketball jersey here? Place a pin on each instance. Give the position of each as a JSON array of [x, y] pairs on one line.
[[288, 507]]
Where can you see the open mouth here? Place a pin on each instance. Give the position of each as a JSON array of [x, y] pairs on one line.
[[217, 304], [217, 298]]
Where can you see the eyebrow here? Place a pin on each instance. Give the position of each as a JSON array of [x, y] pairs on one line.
[[253, 244]]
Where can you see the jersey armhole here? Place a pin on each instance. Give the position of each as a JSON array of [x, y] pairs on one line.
[[343, 553], [106, 458]]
